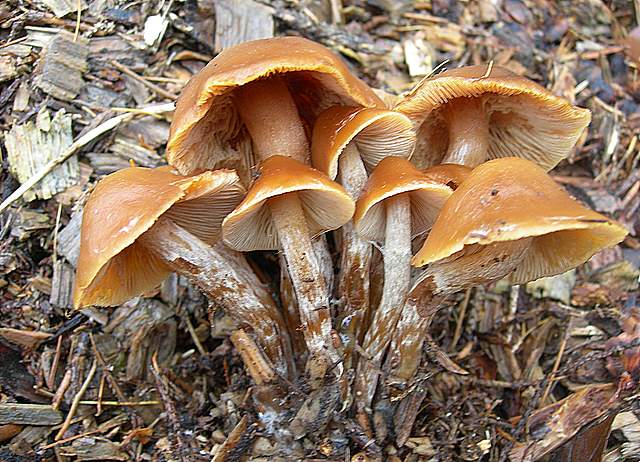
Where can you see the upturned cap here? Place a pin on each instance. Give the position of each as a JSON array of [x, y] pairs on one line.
[[525, 119], [378, 133], [113, 267], [326, 204]]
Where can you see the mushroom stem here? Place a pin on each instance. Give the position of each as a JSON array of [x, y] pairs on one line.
[[356, 253], [475, 264], [271, 117], [308, 282], [397, 278], [468, 127], [229, 283]]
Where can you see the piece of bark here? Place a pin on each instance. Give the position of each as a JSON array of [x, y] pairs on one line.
[[92, 448], [555, 425], [237, 443], [32, 145], [24, 338], [8, 431], [239, 21], [60, 71], [69, 239], [8, 68], [29, 414], [62, 285], [25, 222]]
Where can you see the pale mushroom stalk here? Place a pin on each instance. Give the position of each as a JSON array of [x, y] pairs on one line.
[[468, 130], [397, 278], [231, 285], [356, 252], [480, 264], [398, 202], [271, 117]]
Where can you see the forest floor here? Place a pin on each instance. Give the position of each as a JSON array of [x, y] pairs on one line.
[[158, 379]]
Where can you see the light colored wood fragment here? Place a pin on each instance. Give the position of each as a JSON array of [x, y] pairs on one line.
[[31, 146], [239, 21]]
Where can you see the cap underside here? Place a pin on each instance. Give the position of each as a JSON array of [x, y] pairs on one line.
[[113, 267]]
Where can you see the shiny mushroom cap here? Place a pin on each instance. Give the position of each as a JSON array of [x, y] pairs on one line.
[[378, 133], [113, 267], [326, 204], [450, 174], [393, 176], [207, 132], [512, 199], [525, 119]]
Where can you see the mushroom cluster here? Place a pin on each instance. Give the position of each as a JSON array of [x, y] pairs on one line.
[[274, 145]]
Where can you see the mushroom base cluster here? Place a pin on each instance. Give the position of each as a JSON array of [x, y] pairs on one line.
[[371, 244]]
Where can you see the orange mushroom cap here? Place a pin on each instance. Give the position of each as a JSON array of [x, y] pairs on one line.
[[525, 119], [378, 133], [393, 176], [325, 203], [207, 132], [509, 199], [113, 267]]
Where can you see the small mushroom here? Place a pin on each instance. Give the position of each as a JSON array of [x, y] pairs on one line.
[[347, 143], [287, 204], [398, 202], [507, 218], [141, 224], [474, 113]]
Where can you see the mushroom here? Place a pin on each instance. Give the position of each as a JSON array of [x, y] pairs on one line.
[[474, 113], [256, 98], [258, 92], [398, 202], [508, 217], [141, 224], [287, 204], [347, 143]]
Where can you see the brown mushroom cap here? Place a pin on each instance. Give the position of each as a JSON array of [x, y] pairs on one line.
[[393, 176], [113, 267], [450, 174], [378, 133], [510, 199], [207, 132], [525, 119], [326, 204]]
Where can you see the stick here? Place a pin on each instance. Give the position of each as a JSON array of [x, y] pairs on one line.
[[76, 401], [79, 143]]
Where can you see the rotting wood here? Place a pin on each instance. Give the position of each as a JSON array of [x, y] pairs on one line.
[[29, 414]]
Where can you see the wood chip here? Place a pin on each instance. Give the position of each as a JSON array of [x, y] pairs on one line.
[[69, 239], [25, 338], [29, 414], [64, 61], [62, 285], [32, 145], [239, 21]]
